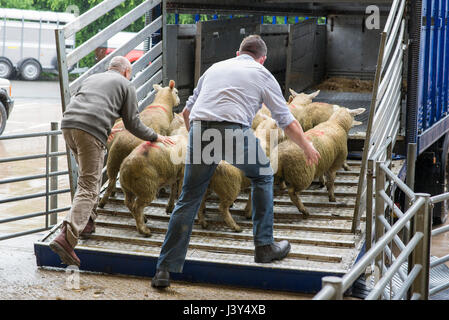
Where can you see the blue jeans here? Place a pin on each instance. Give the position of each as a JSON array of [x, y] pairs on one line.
[[198, 172]]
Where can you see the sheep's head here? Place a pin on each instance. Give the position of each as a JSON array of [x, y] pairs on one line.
[[169, 92], [345, 117], [302, 99]]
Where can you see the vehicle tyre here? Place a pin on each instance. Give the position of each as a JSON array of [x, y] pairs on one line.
[[6, 68], [3, 118], [30, 70]]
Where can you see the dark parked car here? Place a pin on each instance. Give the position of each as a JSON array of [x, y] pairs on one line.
[[6, 103]]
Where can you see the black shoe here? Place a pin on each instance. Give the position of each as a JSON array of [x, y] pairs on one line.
[[270, 252], [161, 279]]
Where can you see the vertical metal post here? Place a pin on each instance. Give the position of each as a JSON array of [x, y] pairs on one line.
[[337, 284], [410, 176], [165, 79], [380, 212], [421, 254], [47, 176], [65, 100], [369, 205], [366, 147], [54, 179]]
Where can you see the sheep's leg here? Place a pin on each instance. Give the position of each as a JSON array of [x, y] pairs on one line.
[[322, 182], [171, 199], [330, 179], [129, 199], [224, 210], [110, 190], [249, 207], [201, 211], [346, 166], [297, 202], [138, 215]]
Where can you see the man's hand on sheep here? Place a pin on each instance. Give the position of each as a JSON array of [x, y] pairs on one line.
[[294, 131], [165, 140]]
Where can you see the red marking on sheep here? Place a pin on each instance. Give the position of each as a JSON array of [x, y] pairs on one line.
[[151, 107]]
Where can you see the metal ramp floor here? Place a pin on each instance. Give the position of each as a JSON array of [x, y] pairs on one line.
[[321, 244]]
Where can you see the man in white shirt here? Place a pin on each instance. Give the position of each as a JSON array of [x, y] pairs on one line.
[[222, 107]]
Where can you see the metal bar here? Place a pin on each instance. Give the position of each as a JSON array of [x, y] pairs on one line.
[[440, 230], [382, 149], [30, 135], [122, 50], [33, 215], [33, 196], [396, 238], [47, 182], [374, 294], [360, 186], [150, 71], [439, 288], [120, 24], [326, 293], [439, 198], [19, 234], [39, 176], [53, 168], [336, 284], [422, 224], [416, 296], [148, 86], [399, 20], [379, 209], [408, 282], [411, 164], [439, 261], [366, 259], [390, 18], [90, 16], [370, 223], [37, 156], [399, 182], [146, 59]]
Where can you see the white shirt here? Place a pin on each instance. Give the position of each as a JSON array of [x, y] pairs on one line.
[[233, 90]]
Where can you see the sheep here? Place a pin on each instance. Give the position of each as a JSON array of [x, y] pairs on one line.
[[330, 139], [147, 168], [158, 115], [259, 117], [228, 181]]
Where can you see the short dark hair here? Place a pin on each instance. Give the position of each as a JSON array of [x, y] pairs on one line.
[[254, 45]]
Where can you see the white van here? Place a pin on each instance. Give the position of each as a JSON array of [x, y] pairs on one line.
[[27, 42]]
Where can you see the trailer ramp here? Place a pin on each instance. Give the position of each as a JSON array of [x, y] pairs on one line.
[[321, 244]]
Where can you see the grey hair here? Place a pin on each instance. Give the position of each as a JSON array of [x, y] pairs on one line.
[[120, 64]]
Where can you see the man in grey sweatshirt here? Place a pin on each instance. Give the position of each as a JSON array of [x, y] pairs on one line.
[[97, 104]]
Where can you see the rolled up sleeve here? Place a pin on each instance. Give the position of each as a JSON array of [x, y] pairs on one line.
[[275, 102]]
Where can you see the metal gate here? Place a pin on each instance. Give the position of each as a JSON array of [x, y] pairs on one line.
[[300, 56]]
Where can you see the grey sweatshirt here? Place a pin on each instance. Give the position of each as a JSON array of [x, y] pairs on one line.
[[100, 100]]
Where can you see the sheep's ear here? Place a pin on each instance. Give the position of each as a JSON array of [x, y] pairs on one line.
[[356, 123], [157, 87], [290, 99], [294, 94], [355, 112], [171, 84], [314, 95]]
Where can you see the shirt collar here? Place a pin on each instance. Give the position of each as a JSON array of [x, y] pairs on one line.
[[245, 56]]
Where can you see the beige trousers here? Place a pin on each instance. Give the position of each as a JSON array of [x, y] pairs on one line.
[[89, 154]]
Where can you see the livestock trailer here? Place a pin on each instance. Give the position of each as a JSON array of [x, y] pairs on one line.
[[27, 41], [401, 47]]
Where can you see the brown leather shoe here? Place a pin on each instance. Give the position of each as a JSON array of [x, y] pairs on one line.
[[89, 229], [64, 250]]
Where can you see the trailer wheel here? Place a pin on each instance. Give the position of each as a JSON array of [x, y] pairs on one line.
[[3, 118], [6, 68], [30, 70]]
